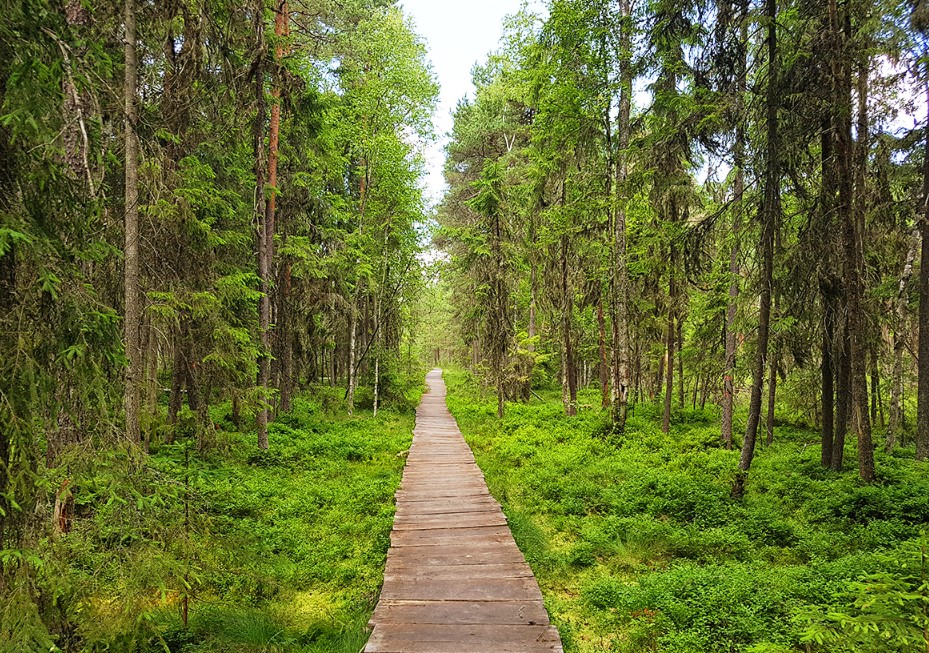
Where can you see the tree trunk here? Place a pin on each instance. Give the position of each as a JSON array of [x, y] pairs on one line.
[[734, 275], [262, 253], [899, 336], [659, 380], [377, 381], [669, 368], [854, 256], [843, 395], [352, 338], [604, 363], [177, 384], [133, 316], [828, 391], [567, 352], [922, 392], [772, 396], [619, 295], [680, 362], [769, 215], [875, 387]]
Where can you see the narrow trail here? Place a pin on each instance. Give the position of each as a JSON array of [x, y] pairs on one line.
[[455, 580]]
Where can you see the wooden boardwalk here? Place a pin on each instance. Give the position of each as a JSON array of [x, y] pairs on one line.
[[455, 581]]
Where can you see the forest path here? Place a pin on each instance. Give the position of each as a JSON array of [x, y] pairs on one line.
[[455, 580]]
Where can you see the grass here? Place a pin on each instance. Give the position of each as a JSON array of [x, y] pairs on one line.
[[278, 551], [638, 546], [300, 533]]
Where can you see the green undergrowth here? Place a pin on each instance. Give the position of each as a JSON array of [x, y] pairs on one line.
[[638, 546], [280, 551]]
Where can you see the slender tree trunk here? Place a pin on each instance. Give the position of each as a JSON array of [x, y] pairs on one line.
[[352, 338], [533, 282], [133, 317], [732, 306], [769, 215], [262, 254], [772, 377], [854, 256], [659, 380], [7, 304], [533, 289], [377, 381], [828, 391], [273, 301], [604, 362], [772, 396], [680, 362], [177, 383], [899, 336], [922, 393], [875, 387], [843, 395], [669, 368], [619, 295], [567, 352], [738, 206]]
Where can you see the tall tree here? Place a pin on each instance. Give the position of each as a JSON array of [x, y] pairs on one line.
[[132, 299], [922, 400], [768, 216], [619, 298]]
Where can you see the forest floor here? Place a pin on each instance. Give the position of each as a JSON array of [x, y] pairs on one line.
[[638, 546], [293, 541]]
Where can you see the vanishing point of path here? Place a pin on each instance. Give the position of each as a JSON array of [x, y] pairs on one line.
[[455, 581]]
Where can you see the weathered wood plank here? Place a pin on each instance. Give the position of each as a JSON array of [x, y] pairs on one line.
[[461, 612]]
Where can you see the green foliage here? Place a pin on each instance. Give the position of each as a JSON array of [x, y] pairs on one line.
[[277, 551], [638, 547], [880, 611]]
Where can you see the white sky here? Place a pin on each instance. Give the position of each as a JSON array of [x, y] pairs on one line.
[[458, 34]]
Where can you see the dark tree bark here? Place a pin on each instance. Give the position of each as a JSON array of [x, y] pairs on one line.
[[178, 376], [732, 306], [769, 211], [569, 387], [680, 362], [604, 362], [843, 379], [263, 247], [619, 296], [853, 264], [828, 389], [669, 368], [738, 192], [922, 392], [133, 314], [772, 396]]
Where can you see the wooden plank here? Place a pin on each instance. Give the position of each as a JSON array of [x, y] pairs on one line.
[[488, 589], [457, 573], [427, 556], [480, 637], [460, 612], [449, 520]]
